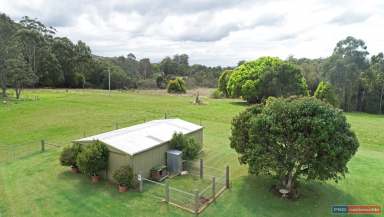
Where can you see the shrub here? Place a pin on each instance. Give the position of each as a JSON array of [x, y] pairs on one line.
[[176, 85], [326, 93], [292, 138], [223, 82], [160, 82], [69, 154], [93, 158], [255, 81], [124, 176], [191, 149], [217, 94], [188, 146]]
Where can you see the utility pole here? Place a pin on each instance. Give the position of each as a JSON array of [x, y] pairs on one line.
[[109, 81]]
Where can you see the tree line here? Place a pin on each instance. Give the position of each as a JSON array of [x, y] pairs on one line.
[[31, 55], [348, 79], [357, 79]]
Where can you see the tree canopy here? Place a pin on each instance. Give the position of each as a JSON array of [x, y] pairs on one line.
[[264, 77], [292, 138]]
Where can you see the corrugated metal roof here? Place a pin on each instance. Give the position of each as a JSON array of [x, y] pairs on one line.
[[138, 138]]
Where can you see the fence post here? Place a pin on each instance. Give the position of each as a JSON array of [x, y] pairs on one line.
[[200, 122], [197, 202], [117, 125], [227, 177], [140, 179], [13, 153], [214, 189], [42, 145], [84, 133], [201, 168], [165, 115], [167, 192]]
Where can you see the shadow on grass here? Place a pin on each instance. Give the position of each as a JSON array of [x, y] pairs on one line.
[[316, 198], [84, 185], [239, 103]]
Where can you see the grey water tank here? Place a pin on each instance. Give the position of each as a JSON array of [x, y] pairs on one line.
[[174, 161]]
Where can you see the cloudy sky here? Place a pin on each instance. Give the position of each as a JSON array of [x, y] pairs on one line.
[[211, 32]]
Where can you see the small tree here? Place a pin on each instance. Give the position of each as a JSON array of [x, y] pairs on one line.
[[69, 155], [161, 82], [93, 158], [326, 93], [20, 74], [292, 138], [176, 85], [188, 146], [124, 176]]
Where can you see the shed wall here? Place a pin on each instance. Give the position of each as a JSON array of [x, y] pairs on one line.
[[115, 161], [145, 161], [197, 136]]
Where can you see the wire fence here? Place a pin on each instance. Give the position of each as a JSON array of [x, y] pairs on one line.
[[13, 152], [17, 150], [216, 181]]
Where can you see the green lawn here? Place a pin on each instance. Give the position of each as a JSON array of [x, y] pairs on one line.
[[37, 185]]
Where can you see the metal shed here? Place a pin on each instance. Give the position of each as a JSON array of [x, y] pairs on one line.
[[142, 146]]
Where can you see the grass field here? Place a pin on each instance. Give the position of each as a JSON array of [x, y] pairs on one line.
[[37, 185]]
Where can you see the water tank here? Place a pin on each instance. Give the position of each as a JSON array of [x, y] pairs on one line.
[[174, 161]]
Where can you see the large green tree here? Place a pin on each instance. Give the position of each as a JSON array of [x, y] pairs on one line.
[[64, 50], [264, 77], [292, 138], [7, 30]]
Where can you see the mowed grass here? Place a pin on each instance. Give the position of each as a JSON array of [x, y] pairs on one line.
[[37, 185]]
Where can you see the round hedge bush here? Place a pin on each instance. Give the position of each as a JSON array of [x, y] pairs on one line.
[[93, 158]]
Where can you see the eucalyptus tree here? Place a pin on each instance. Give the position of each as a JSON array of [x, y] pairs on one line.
[[20, 73], [343, 70], [7, 29], [373, 80]]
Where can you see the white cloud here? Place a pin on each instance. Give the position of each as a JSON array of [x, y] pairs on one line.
[[211, 32]]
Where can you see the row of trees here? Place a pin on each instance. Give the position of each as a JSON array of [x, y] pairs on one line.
[[31, 55], [358, 80], [353, 81]]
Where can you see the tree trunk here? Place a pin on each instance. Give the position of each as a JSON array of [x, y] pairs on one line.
[[288, 182], [17, 93], [3, 89], [3, 85], [4, 92], [18, 90], [345, 100], [381, 100]]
